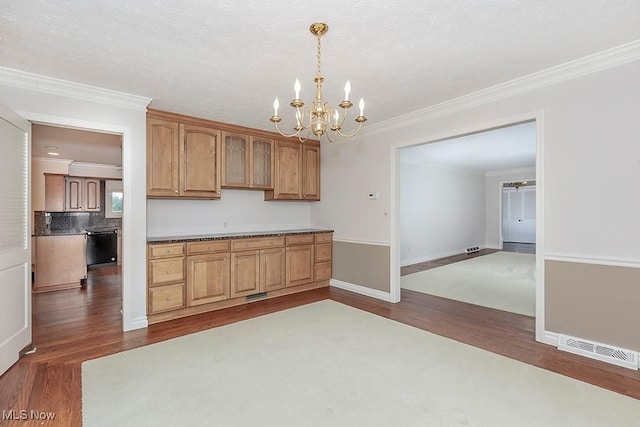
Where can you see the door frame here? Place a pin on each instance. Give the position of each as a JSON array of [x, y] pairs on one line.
[[127, 141], [394, 215]]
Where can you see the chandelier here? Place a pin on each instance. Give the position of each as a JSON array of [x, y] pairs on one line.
[[319, 118]]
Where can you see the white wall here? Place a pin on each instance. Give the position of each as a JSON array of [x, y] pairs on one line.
[[442, 211], [241, 210], [68, 104], [493, 199], [591, 163]]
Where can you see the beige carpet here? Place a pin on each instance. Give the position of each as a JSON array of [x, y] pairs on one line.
[[501, 280], [327, 364]]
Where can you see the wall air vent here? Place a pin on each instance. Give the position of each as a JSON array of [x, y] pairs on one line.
[[603, 352]]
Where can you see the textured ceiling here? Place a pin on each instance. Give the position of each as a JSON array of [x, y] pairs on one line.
[[227, 60]]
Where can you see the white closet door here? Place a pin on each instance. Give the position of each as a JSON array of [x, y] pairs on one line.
[[15, 241], [519, 214]]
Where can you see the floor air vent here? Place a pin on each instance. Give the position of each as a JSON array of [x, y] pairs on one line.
[[603, 352], [472, 249]]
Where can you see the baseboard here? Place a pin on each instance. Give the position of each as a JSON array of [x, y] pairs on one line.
[[362, 290], [136, 323], [549, 338]]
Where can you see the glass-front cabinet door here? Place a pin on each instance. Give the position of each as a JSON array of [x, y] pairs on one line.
[[235, 162], [262, 162]]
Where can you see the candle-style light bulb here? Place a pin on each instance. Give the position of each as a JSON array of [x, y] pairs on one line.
[[336, 116], [347, 90], [361, 105], [276, 105], [296, 87]]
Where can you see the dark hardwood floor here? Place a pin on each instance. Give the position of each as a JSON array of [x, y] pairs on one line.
[[426, 265], [72, 326]]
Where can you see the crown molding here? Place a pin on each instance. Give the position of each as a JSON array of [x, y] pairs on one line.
[[610, 58], [511, 171], [39, 83]]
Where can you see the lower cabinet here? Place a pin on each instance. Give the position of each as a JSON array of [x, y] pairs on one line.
[[257, 271], [165, 277], [60, 262], [199, 276]]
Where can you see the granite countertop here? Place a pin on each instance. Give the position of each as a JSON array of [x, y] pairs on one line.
[[243, 235], [59, 233]]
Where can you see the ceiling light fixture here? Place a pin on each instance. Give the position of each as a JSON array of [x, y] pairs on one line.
[[320, 118]]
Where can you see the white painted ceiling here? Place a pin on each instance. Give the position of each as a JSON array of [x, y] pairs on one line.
[[512, 147], [227, 60], [76, 145]]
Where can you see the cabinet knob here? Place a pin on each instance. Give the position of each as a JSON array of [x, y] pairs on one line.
[[168, 251], [168, 271], [175, 191], [168, 299]]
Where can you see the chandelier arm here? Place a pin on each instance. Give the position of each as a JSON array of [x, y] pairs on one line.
[[284, 134], [349, 135]]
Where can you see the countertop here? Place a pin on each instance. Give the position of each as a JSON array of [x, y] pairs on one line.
[[242, 235], [60, 233]]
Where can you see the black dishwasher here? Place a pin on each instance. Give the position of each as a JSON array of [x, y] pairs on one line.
[[102, 246]]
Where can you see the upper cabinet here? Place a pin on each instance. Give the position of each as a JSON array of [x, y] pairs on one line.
[[163, 148], [296, 172], [247, 161], [182, 160], [194, 158], [81, 194], [199, 169], [71, 194]]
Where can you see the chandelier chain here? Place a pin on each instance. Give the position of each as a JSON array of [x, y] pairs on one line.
[[318, 57]]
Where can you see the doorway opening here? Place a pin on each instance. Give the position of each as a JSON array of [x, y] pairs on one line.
[[76, 193], [449, 207]]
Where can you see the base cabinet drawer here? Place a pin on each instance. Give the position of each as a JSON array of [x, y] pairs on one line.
[[166, 298], [168, 270], [322, 271]]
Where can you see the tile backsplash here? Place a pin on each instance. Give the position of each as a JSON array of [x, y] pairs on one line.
[[72, 221]]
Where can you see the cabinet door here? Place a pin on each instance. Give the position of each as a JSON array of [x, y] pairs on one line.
[[245, 273], [208, 278], [272, 265], [310, 172], [261, 163], [299, 267], [199, 168], [288, 172], [235, 160], [72, 194], [53, 192], [163, 148], [91, 195]]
